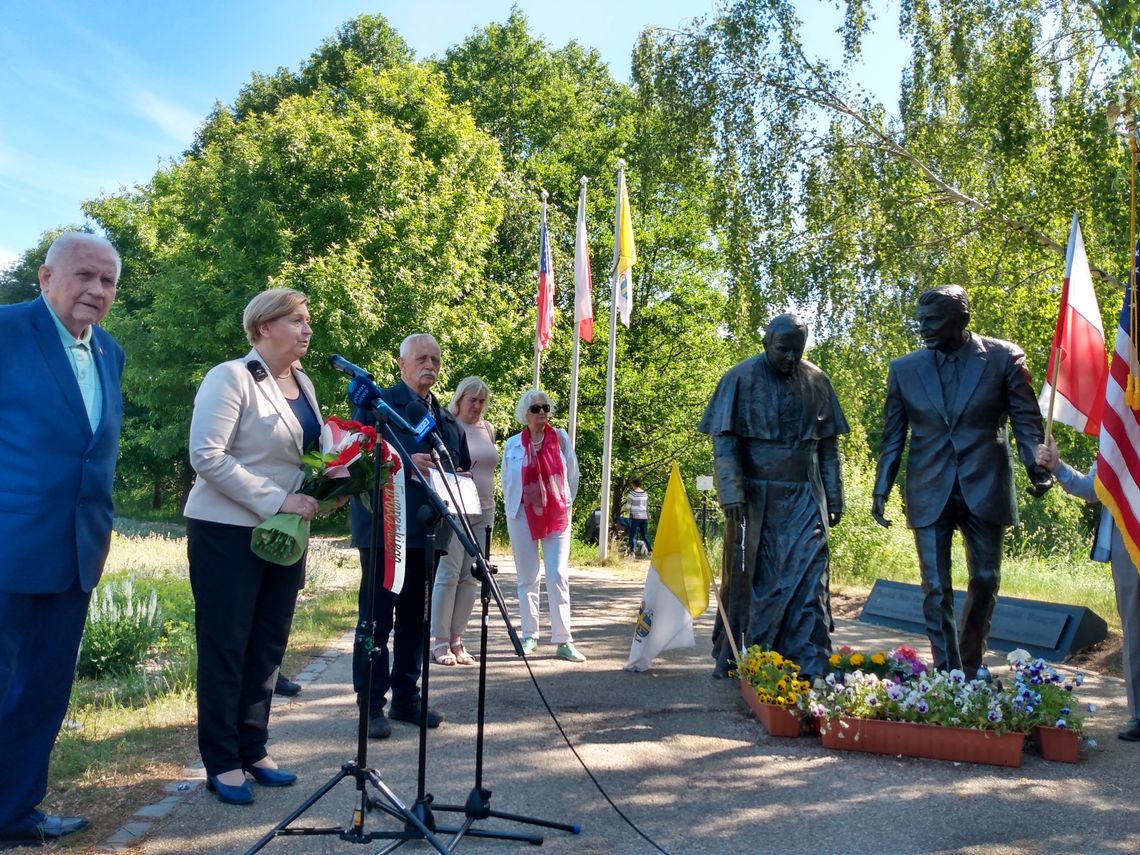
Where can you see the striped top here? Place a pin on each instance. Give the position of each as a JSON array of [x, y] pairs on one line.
[[638, 505]]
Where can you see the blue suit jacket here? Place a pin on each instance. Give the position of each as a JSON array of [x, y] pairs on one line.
[[55, 488]]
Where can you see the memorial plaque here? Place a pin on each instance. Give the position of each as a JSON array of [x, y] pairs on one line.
[[1052, 631]]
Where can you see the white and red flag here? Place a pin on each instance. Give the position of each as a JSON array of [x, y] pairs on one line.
[[545, 320], [1078, 368], [1118, 458], [583, 288]]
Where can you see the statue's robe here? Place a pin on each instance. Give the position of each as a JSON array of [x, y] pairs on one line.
[[775, 441]]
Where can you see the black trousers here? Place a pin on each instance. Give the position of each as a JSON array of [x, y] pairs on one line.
[[243, 609], [400, 617], [950, 647]]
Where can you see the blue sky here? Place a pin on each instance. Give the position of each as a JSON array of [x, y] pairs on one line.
[[94, 97]]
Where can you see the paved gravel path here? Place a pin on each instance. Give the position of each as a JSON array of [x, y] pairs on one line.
[[673, 748]]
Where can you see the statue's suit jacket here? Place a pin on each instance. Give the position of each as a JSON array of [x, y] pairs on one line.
[[963, 441], [55, 488]]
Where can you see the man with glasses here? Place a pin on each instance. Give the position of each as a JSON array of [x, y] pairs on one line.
[[775, 423]]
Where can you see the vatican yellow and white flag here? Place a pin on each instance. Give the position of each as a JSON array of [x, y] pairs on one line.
[[677, 585]]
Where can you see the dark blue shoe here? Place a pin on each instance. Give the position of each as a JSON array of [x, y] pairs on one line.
[[270, 777], [239, 795]]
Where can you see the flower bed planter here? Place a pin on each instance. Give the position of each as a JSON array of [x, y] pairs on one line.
[[924, 740], [1062, 746], [778, 721]]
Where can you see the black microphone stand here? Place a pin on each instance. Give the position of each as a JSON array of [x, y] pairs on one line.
[[358, 769], [478, 806]]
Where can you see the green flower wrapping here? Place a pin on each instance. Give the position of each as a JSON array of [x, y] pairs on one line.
[[281, 539]]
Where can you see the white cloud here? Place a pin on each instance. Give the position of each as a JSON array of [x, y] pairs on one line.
[[175, 120], [7, 257]]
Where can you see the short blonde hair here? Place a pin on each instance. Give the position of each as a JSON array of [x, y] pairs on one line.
[[531, 396], [269, 306], [467, 386]]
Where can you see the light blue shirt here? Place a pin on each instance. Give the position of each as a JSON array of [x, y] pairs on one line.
[[82, 362]]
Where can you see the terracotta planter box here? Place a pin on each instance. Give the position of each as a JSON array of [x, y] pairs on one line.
[[778, 721], [924, 740], [1062, 746]]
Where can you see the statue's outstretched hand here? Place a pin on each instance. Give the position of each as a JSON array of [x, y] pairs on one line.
[[734, 513], [879, 510], [1041, 481]]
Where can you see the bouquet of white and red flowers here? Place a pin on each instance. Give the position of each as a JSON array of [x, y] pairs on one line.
[[341, 466]]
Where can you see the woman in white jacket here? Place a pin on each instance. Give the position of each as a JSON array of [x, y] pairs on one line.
[[252, 419], [540, 479]]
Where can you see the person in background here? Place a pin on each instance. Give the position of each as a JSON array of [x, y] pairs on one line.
[[638, 502], [540, 479], [1108, 547], [253, 417], [60, 412], [456, 588]]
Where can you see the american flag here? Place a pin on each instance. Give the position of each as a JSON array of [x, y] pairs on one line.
[[1118, 459], [545, 320]]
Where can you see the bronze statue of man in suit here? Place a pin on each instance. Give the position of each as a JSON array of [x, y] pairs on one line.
[[955, 396], [775, 424]]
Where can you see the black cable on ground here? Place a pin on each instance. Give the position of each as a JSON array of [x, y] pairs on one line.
[[582, 763]]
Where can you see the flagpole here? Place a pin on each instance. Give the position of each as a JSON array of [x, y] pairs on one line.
[[577, 332], [538, 309], [724, 622], [607, 445], [1053, 392]]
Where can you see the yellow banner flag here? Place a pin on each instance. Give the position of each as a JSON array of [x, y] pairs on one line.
[[677, 584], [627, 253]]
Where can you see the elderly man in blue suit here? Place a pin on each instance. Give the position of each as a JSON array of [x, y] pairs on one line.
[[60, 411]]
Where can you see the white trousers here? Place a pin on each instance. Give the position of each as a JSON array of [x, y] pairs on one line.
[[456, 590], [556, 557]]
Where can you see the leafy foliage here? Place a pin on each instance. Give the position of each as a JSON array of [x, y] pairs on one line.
[[121, 628]]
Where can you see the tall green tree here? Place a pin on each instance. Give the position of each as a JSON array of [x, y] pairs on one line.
[[367, 190], [559, 115]]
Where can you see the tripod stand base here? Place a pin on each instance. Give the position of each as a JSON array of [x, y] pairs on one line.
[[415, 828], [478, 807]]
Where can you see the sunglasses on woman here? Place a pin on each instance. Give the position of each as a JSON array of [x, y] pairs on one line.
[[540, 408]]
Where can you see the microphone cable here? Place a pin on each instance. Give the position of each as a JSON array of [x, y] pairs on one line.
[[597, 784]]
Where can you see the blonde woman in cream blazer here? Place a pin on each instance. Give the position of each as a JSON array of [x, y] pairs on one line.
[[252, 419]]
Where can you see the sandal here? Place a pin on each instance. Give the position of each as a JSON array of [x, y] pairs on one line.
[[442, 655], [461, 654]]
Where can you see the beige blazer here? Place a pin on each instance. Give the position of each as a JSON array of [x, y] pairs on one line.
[[245, 444]]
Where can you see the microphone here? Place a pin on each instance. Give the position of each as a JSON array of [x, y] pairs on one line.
[[345, 367], [365, 394], [424, 423]]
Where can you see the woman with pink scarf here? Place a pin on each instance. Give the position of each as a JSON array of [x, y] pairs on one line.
[[540, 479]]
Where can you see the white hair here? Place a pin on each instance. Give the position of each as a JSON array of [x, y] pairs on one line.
[[531, 396], [69, 240], [406, 344]]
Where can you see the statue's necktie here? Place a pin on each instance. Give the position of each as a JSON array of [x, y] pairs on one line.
[[948, 373]]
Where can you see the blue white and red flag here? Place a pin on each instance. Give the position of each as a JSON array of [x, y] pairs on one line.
[[1118, 459]]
